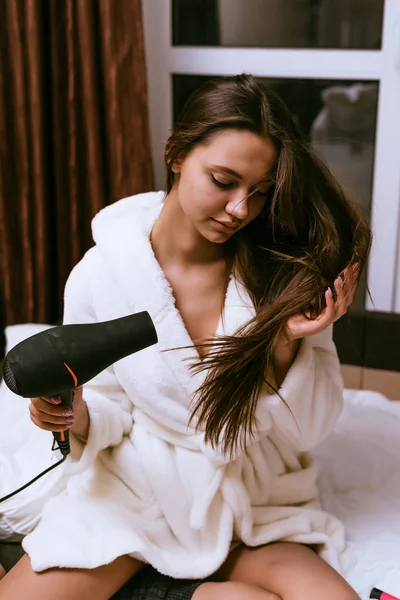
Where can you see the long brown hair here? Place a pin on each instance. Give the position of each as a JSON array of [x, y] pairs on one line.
[[306, 236]]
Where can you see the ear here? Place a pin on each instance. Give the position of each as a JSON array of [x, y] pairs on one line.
[[177, 165]]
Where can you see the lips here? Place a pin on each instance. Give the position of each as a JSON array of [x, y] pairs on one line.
[[232, 226]]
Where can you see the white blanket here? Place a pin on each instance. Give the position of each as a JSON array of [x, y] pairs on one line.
[[360, 484]]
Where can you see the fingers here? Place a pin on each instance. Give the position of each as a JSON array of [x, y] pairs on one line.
[[299, 326], [337, 304], [345, 288], [327, 316], [329, 311], [78, 396], [342, 300], [47, 414], [350, 277]]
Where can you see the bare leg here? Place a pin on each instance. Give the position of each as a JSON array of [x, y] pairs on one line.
[[2, 571], [64, 584], [291, 571], [232, 590]]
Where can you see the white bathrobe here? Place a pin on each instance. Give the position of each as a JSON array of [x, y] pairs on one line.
[[146, 483]]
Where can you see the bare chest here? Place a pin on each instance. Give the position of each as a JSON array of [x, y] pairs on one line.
[[199, 297]]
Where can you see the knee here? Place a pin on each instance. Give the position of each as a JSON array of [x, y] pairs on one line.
[[236, 590], [232, 590]]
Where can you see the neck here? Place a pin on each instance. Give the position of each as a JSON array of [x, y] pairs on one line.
[[175, 239]]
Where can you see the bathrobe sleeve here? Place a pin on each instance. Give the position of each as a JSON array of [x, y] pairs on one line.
[[313, 392], [110, 409]]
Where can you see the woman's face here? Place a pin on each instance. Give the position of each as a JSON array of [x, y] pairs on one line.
[[222, 185]]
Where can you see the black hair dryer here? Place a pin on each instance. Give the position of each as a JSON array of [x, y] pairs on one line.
[[56, 361]]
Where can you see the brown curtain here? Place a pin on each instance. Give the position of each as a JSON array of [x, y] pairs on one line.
[[73, 138]]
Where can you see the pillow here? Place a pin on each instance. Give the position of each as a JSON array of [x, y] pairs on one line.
[[14, 414]]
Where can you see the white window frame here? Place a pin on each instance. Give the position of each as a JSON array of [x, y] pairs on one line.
[[163, 59]]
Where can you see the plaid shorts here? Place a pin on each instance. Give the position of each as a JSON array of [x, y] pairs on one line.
[[148, 584]]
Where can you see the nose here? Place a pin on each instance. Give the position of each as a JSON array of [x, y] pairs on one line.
[[238, 206]]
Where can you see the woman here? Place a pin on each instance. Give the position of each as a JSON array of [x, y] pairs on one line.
[[191, 456]]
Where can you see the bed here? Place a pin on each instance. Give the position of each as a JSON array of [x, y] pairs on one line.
[[359, 478], [360, 484]]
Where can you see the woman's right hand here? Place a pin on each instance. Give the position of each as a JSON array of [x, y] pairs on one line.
[[49, 414]]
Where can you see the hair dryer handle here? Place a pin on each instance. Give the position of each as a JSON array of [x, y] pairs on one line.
[[62, 437]]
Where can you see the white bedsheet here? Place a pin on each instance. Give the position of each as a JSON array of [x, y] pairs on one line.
[[360, 484]]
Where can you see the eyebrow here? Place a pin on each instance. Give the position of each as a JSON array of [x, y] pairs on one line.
[[237, 175]]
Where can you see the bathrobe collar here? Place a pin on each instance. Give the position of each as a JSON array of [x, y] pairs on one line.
[[122, 234]]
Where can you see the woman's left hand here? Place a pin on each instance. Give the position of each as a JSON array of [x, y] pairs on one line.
[[300, 326]]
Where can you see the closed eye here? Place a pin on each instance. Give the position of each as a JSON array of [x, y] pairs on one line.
[[231, 184], [259, 193], [224, 186]]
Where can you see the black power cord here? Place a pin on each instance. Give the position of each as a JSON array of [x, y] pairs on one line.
[[34, 479]]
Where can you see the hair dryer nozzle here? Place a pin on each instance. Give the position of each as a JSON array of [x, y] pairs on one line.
[[9, 378]]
